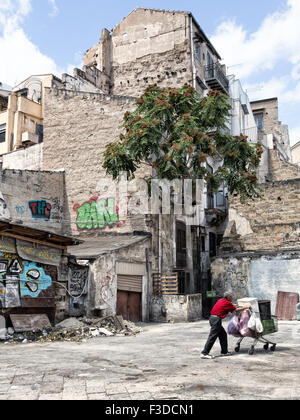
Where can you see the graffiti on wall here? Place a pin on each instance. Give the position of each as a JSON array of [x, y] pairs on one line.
[[20, 210], [96, 214], [4, 212], [40, 209], [78, 280], [20, 279]]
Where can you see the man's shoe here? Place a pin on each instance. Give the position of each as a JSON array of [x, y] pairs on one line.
[[206, 356], [226, 354]]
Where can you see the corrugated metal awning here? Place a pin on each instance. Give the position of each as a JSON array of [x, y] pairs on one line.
[[92, 248], [14, 230]]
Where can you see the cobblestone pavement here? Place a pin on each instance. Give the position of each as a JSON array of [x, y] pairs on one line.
[[161, 363]]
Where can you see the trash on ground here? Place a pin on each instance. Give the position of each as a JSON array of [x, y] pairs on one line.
[[75, 329]]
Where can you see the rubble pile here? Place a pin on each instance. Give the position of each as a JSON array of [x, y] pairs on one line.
[[76, 329]]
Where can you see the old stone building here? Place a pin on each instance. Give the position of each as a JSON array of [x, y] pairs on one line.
[[152, 46], [127, 249], [148, 46], [21, 119], [260, 253], [295, 153], [266, 116]]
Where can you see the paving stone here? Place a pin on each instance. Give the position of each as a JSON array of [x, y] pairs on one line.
[[53, 378], [101, 396], [23, 396], [141, 396], [74, 396], [25, 380], [94, 387], [51, 388], [120, 397], [47, 397], [112, 389], [4, 388], [139, 388]]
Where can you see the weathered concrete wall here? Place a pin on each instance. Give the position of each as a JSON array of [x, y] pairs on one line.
[[103, 280], [281, 170], [77, 127], [231, 273], [260, 276], [149, 47], [30, 158], [269, 108], [176, 308], [90, 79], [34, 198], [295, 151], [273, 222]]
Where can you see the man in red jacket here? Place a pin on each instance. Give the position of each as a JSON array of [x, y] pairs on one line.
[[219, 312]]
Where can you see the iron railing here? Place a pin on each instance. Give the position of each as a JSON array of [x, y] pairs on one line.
[[215, 72], [251, 133]]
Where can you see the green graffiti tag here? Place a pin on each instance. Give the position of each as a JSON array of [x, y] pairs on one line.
[[95, 214]]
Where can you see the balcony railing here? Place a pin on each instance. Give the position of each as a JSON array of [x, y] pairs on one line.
[[216, 79], [251, 133]]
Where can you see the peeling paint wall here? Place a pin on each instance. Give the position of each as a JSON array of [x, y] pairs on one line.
[[77, 127], [34, 198], [103, 281], [176, 308], [260, 276], [30, 158]]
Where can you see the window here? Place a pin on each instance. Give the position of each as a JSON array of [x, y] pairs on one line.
[[210, 66], [259, 121], [212, 245], [210, 193], [220, 197], [2, 133], [198, 51]]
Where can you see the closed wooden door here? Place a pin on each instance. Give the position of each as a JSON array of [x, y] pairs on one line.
[[129, 305]]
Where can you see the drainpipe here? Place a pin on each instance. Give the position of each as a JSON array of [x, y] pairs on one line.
[[192, 54], [189, 244], [159, 245]]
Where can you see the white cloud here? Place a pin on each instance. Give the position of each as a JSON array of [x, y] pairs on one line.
[[268, 59], [275, 87], [54, 7], [275, 41], [294, 135], [20, 58]]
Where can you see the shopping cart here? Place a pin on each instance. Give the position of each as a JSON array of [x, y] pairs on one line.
[[270, 326]]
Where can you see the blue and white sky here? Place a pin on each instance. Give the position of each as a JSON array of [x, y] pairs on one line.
[[259, 41]]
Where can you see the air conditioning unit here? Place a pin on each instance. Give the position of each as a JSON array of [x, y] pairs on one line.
[[29, 138]]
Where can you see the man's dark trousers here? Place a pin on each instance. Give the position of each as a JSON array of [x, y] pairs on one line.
[[216, 331]]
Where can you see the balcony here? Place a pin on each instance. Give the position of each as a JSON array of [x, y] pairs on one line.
[[216, 79], [251, 133]]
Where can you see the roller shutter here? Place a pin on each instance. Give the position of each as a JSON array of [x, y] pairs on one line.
[[130, 283]]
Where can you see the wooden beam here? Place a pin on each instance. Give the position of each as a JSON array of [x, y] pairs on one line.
[[36, 241], [4, 228]]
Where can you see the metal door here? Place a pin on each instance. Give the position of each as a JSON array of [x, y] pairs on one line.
[[129, 305]]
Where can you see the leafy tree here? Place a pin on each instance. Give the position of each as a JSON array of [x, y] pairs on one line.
[[175, 130]]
